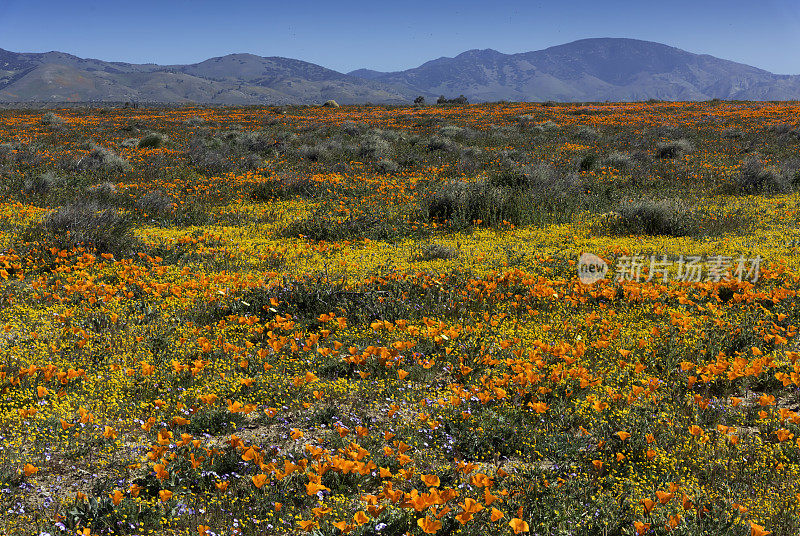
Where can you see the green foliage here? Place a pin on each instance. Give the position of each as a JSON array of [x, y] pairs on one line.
[[214, 422]]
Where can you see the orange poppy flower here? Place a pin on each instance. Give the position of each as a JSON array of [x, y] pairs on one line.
[[519, 525], [431, 481], [758, 530], [428, 525], [361, 517]]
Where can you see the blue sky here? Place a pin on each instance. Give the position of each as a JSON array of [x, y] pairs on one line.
[[387, 36]]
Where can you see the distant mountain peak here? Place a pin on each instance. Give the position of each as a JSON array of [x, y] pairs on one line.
[[591, 69], [480, 52]]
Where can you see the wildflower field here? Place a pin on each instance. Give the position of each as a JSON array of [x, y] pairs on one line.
[[369, 320]]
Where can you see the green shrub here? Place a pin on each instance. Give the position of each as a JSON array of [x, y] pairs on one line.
[[587, 162], [451, 131], [196, 121], [214, 422], [525, 120], [587, 134], [547, 126]]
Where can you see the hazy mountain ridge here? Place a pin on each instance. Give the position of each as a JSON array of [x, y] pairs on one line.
[[232, 79], [586, 70]]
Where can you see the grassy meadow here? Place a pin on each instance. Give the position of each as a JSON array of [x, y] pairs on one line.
[[369, 320]]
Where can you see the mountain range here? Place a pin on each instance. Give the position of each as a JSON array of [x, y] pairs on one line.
[[603, 69]]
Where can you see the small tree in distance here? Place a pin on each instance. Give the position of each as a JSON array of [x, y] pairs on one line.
[[461, 99]]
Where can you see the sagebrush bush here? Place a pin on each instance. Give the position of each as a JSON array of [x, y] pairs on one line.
[[53, 120], [587, 162], [621, 161], [284, 187], [785, 130], [156, 203], [152, 140], [104, 192], [587, 134], [373, 147], [438, 143], [40, 184], [313, 153], [732, 133], [541, 182], [430, 252], [451, 131], [84, 223], [462, 204], [102, 159], [526, 120], [211, 155], [548, 126], [387, 165], [650, 217], [674, 149], [756, 177], [195, 121]]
